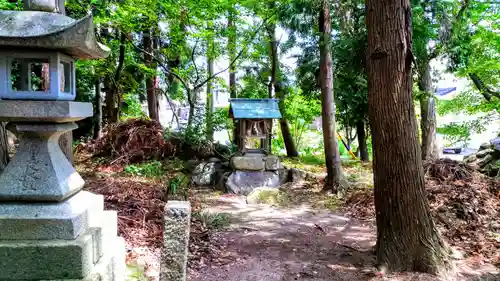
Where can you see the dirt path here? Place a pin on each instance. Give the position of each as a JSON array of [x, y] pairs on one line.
[[277, 244]]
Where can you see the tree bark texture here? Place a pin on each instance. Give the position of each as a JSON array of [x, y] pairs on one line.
[[428, 121], [147, 40], [363, 148], [291, 150], [210, 99], [231, 46], [4, 147], [98, 110], [332, 158], [113, 95], [407, 239]]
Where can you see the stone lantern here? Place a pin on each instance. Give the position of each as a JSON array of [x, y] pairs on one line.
[[49, 228]]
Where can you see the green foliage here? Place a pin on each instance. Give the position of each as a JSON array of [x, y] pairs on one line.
[[460, 133], [131, 108], [8, 5], [300, 113], [151, 169], [178, 185], [213, 220]]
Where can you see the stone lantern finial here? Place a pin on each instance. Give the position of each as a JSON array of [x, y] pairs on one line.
[[51, 6]]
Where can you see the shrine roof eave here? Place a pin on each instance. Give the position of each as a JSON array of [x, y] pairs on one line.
[[254, 109], [50, 31]]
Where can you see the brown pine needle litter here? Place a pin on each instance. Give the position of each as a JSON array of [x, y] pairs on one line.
[[464, 204]]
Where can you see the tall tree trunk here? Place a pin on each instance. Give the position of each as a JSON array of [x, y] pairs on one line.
[[407, 239], [4, 147], [231, 46], [334, 178], [98, 110], [113, 98], [291, 150], [430, 150], [147, 41], [363, 148], [209, 99]]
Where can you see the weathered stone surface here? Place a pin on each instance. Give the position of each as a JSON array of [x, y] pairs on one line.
[[104, 228], [50, 259], [263, 195], [111, 267], [297, 174], [243, 182], [45, 221], [176, 238], [470, 158], [205, 173], [248, 163], [485, 145], [39, 171], [273, 163], [190, 165], [44, 111], [484, 161], [484, 152], [52, 31]]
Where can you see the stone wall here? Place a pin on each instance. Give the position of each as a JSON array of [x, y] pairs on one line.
[[487, 159]]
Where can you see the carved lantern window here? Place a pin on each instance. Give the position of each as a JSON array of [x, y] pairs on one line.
[[36, 76]]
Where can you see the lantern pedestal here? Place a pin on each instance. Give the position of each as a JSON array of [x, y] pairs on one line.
[[49, 228]]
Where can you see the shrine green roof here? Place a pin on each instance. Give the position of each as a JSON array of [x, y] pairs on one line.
[[254, 109]]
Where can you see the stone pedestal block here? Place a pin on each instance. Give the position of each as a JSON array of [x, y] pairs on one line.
[[248, 163], [50, 259], [39, 171], [47, 221]]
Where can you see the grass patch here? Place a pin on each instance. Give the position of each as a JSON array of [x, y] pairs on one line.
[[332, 203], [275, 198], [153, 169], [135, 273], [213, 220]]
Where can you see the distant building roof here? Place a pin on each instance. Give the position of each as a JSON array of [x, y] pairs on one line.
[[445, 91], [254, 109]]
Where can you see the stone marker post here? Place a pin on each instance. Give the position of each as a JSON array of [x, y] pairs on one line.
[[174, 255], [49, 228]]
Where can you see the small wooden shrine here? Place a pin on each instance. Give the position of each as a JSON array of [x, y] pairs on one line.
[[254, 119]]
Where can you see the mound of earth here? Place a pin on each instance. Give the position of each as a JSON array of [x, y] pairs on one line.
[[465, 205]]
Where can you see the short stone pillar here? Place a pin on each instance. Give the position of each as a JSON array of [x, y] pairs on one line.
[[174, 255]]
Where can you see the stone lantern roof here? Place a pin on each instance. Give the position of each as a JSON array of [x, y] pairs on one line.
[[50, 31]]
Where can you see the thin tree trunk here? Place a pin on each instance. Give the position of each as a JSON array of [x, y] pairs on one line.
[[98, 110], [4, 147], [147, 40], [231, 46], [113, 98], [363, 148], [291, 150], [332, 158], [428, 122], [209, 99], [407, 239]]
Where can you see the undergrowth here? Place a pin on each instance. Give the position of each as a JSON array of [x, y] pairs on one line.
[[213, 220]]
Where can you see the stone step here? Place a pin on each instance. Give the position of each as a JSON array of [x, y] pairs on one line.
[[49, 221], [63, 259]]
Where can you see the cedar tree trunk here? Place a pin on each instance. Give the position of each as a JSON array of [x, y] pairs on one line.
[[332, 158], [407, 239], [430, 149]]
